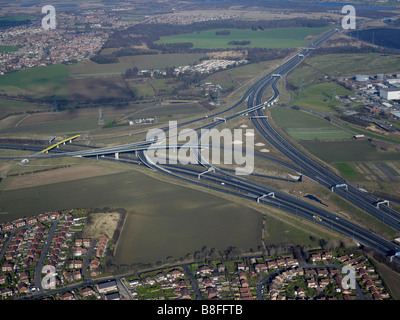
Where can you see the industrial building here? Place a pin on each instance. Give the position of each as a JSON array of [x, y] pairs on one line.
[[362, 78], [390, 93]]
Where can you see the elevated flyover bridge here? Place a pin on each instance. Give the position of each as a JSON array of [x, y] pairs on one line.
[[55, 145], [116, 150]]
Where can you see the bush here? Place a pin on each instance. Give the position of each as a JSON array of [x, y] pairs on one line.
[[223, 33]]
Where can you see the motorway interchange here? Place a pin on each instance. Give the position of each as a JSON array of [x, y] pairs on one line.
[[222, 180]]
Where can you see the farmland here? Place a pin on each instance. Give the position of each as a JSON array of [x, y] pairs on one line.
[[346, 151], [37, 82], [98, 88], [290, 118], [304, 126], [318, 133], [347, 170], [57, 175], [345, 65], [152, 61], [72, 126], [12, 106], [20, 17], [272, 38], [88, 80], [383, 176], [371, 164], [166, 111], [318, 97], [180, 221], [85, 120]]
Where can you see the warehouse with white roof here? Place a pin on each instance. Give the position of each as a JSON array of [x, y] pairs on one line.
[[390, 93]]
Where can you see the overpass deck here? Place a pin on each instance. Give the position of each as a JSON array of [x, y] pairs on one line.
[[60, 142]]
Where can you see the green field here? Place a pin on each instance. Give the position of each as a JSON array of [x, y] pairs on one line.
[[319, 97], [38, 82], [170, 109], [20, 17], [353, 64], [8, 48], [290, 118], [305, 126], [83, 120], [74, 126], [271, 38], [143, 90], [12, 106], [280, 232], [112, 87], [133, 17], [152, 61], [88, 80], [164, 219], [318, 133], [348, 151], [347, 170]]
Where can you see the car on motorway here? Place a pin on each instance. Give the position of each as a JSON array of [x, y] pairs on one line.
[[318, 218]]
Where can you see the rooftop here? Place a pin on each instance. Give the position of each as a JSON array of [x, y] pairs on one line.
[[390, 89]]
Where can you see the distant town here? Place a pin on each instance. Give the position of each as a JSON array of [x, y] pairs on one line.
[[31, 46], [78, 36]]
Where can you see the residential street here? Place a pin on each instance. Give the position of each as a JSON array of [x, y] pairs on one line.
[[40, 263]]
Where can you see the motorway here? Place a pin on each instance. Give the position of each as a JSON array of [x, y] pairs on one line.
[[310, 168], [225, 182], [238, 186]]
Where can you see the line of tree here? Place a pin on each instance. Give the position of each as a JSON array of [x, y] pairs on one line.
[[351, 49], [372, 14], [104, 58], [239, 43], [263, 54], [113, 57], [182, 47], [353, 120], [382, 259], [131, 73], [123, 52], [37, 171], [11, 23], [207, 254], [222, 33]]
